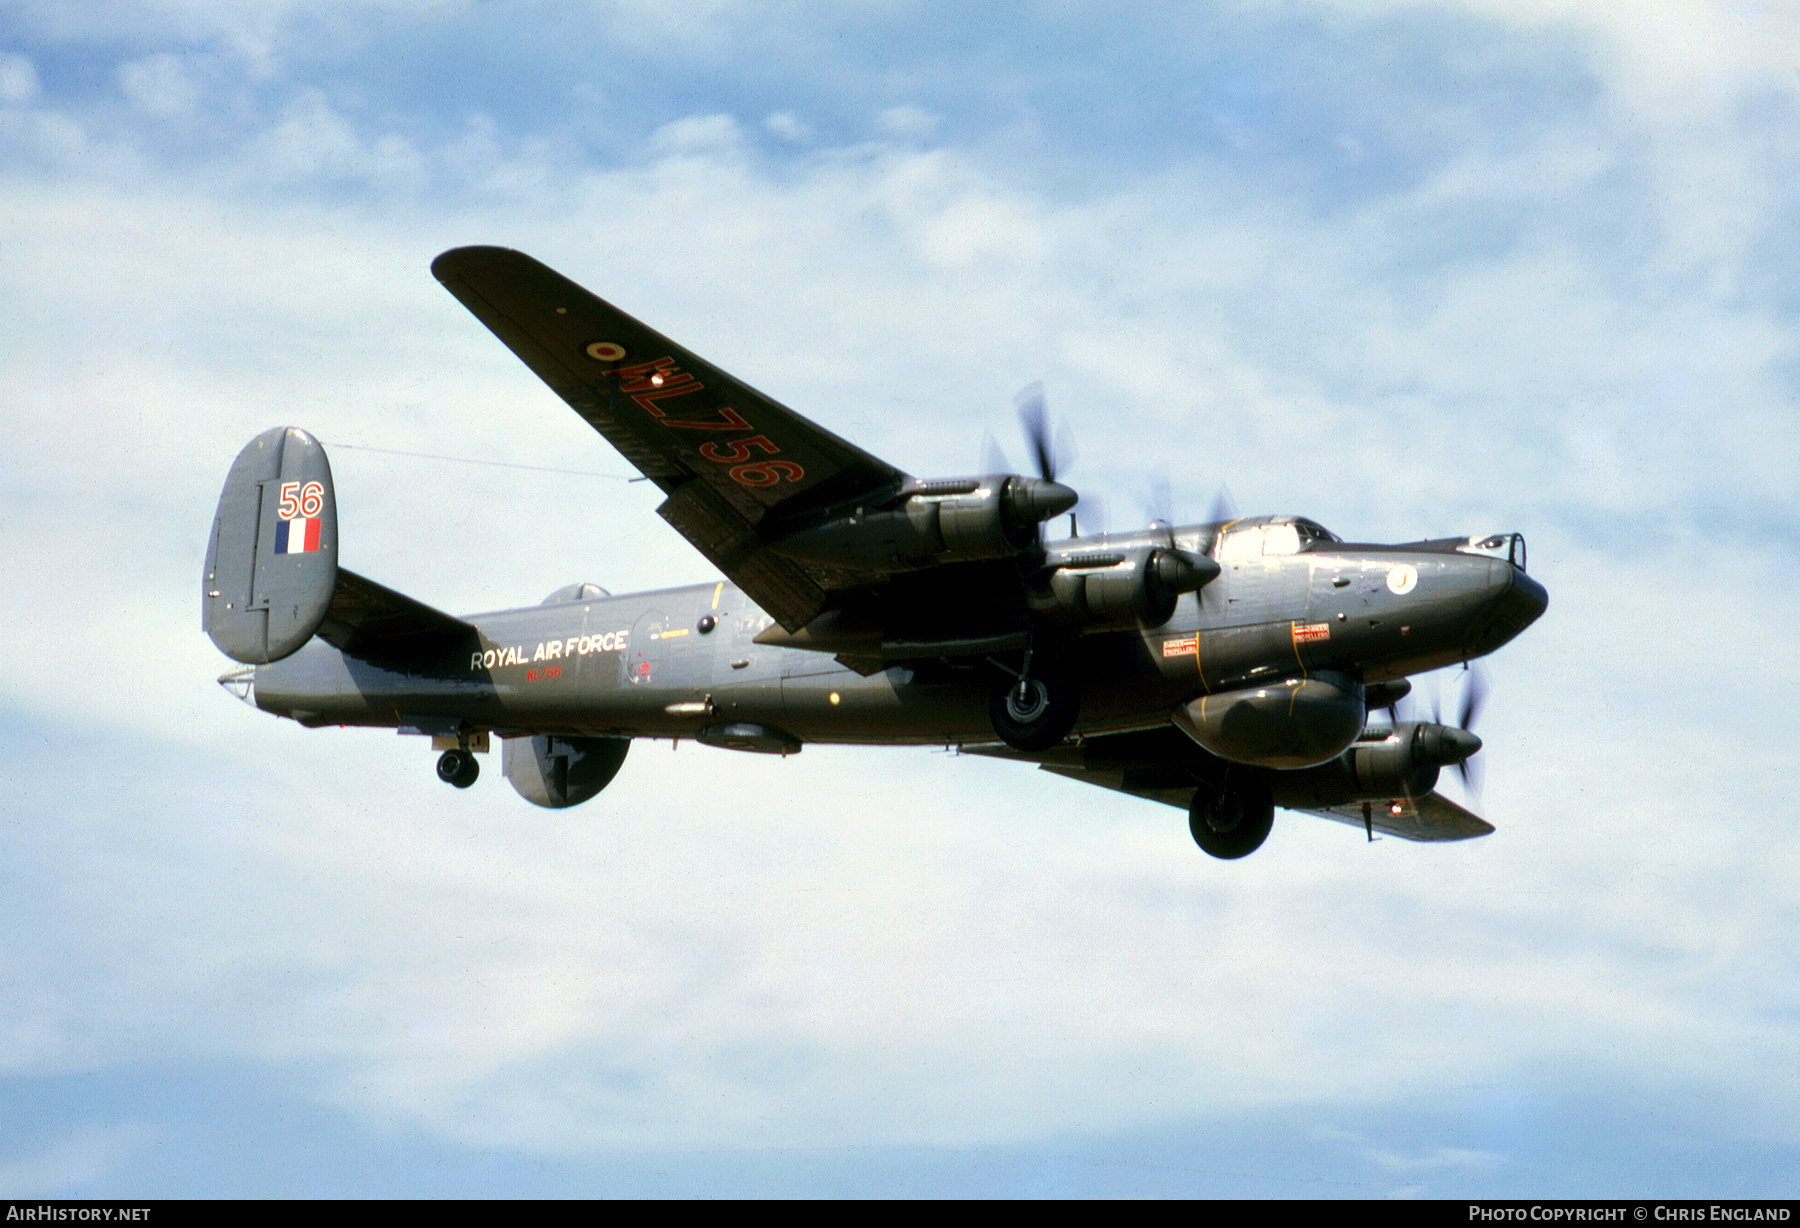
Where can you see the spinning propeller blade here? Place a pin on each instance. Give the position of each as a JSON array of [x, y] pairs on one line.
[[1474, 696], [1224, 507], [1033, 419]]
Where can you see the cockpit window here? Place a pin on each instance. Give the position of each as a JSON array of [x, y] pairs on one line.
[[1508, 546], [1271, 538]]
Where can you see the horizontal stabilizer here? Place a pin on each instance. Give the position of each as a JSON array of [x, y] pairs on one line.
[[373, 622]]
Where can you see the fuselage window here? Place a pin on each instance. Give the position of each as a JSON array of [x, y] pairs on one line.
[[1281, 539], [1241, 544]]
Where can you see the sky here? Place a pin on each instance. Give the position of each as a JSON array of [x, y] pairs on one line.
[[1411, 269]]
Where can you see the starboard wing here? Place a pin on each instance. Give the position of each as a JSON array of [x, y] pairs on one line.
[[732, 461], [1433, 817], [1152, 764]]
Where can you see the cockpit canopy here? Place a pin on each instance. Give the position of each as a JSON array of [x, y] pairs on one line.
[[1260, 536], [1508, 546]]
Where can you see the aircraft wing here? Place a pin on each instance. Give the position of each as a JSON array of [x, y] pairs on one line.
[[1148, 763], [1432, 817], [1151, 764], [728, 457]]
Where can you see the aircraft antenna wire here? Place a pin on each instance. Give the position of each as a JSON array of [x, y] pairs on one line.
[[470, 460]]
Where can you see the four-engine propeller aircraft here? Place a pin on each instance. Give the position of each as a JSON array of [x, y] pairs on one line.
[[1224, 668]]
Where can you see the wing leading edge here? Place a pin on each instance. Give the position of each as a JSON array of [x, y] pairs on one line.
[[732, 461]]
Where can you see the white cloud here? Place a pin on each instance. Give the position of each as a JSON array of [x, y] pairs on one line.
[[788, 126], [160, 86], [317, 144], [77, 1163], [1676, 59], [908, 122], [696, 134], [18, 79]]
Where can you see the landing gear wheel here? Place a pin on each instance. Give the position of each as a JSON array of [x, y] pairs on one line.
[[1232, 822], [458, 767], [1036, 716]]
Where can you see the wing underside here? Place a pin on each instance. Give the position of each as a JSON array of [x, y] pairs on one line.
[[1159, 765]]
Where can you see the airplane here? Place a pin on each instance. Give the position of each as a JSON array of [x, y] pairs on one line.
[[1223, 668]]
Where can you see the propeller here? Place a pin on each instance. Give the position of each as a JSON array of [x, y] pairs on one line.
[[1051, 457], [1463, 738], [1161, 503], [1034, 420], [1474, 696], [1224, 507]]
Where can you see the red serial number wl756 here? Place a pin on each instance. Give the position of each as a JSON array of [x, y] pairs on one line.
[[649, 382]]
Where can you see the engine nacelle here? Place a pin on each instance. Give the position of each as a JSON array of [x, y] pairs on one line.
[[556, 772], [1294, 723], [951, 521], [1403, 764], [1117, 593]]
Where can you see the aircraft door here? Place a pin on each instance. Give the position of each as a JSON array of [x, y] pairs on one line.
[[668, 653], [642, 662]]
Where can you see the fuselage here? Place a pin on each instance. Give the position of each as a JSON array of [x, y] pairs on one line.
[[673, 662]]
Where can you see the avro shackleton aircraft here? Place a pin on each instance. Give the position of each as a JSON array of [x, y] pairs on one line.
[[1224, 668]]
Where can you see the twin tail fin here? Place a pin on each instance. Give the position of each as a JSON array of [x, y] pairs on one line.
[[272, 576]]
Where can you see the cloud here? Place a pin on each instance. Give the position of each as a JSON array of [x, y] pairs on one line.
[[18, 79], [788, 126], [160, 86], [697, 134], [907, 122]]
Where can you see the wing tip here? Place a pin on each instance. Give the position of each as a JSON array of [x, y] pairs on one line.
[[451, 265]]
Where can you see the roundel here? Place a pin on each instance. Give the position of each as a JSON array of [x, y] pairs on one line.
[[1403, 578], [605, 351]]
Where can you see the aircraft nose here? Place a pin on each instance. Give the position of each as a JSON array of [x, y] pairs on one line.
[[1516, 603], [1525, 599]]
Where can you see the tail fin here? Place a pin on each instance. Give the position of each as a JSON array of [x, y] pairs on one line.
[[272, 577], [271, 567]]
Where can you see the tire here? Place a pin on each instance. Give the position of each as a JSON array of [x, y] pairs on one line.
[[458, 767], [1233, 822], [1043, 719]]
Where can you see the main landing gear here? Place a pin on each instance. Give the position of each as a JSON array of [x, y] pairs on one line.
[[1232, 821], [458, 767], [1035, 709]]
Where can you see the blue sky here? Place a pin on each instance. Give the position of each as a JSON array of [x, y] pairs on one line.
[[1410, 269]]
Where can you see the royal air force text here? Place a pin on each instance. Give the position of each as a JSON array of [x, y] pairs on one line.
[[551, 650]]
